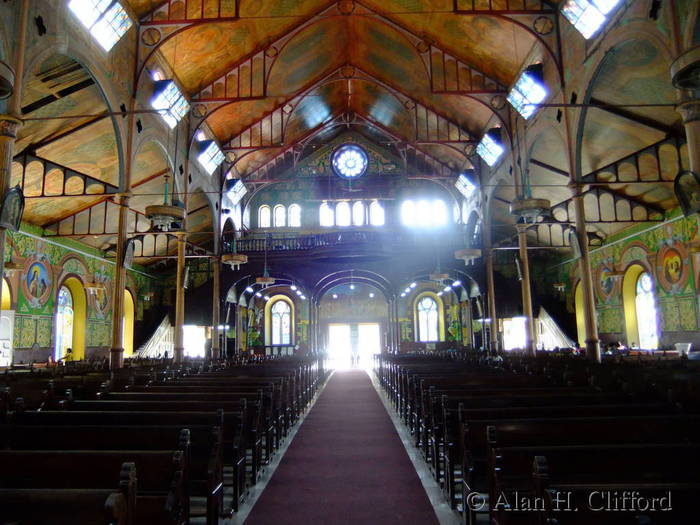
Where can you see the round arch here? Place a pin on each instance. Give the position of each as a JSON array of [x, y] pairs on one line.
[[78, 319], [128, 323], [6, 294], [580, 319], [268, 318], [633, 323], [441, 313]]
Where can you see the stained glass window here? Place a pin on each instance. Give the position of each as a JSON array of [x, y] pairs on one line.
[[647, 315], [527, 93], [427, 320], [281, 323], [64, 323], [211, 157], [170, 102], [349, 161], [106, 20]]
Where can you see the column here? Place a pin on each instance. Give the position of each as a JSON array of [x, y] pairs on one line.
[[179, 350], [216, 311], [116, 353], [690, 111], [10, 124], [589, 313], [531, 336], [493, 331]]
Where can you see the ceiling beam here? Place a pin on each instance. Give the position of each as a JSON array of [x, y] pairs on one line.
[[648, 122], [549, 167]]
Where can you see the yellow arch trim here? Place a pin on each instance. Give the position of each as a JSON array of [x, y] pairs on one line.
[[268, 318], [580, 320], [629, 295], [77, 291], [6, 295], [441, 313], [128, 326]]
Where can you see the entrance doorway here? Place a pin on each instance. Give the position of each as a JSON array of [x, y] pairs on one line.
[[360, 339]]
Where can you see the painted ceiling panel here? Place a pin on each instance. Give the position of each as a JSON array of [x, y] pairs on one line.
[[492, 45], [91, 150]]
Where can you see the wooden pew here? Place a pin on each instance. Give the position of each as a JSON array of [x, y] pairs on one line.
[[201, 446], [158, 494]]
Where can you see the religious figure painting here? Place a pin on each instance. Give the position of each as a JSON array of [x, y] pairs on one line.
[[37, 281]]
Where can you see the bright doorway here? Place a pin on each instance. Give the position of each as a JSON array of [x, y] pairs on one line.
[[369, 343], [339, 345]]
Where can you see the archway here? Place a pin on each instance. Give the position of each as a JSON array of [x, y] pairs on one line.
[[428, 318], [128, 324], [279, 321], [7, 322], [580, 320], [70, 319], [641, 314]]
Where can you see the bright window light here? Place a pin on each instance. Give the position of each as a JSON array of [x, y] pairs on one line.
[[376, 214], [438, 215], [210, 157], [294, 212], [170, 103], [514, 333], [465, 186], [358, 213], [588, 16], [236, 193], [279, 216], [528, 92], [326, 215], [193, 339], [105, 19], [342, 214], [490, 150], [408, 213]]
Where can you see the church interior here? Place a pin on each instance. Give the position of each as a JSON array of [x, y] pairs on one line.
[[349, 261]]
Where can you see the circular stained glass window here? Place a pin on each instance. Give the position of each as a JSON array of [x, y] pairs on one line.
[[349, 161]]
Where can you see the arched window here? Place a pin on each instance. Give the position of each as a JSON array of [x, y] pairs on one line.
[[408, 213], [439, 213], [428, 320], [264, 216], [647, 315], [342, 214], [280, 216], [358, 213], [423, 213], [64, 323], [376, 214], [465, 211], [294, 215], [580, 320], [281, 323], [326, 215], [128, 324]]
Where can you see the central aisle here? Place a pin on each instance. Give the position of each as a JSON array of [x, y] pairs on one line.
[[345, 465]]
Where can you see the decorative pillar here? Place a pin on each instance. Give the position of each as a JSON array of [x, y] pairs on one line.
[[589, 313], [493, 331], [216, 311], [690, 111], [531, 335], [10, 124], [116, 353], [179, 351]]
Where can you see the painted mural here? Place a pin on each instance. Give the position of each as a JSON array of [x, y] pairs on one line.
[[46, 264], [670, 254]]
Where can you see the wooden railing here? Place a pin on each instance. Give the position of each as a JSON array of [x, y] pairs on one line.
[[387, 241]]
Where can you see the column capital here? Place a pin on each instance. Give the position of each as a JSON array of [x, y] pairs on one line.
[[9, 126], [522, 227], [689, 110]]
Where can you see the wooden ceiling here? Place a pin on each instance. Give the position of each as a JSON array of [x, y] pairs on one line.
[[285, 70]]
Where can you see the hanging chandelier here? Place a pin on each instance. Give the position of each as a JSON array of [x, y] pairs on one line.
[[165, 216], [265, 280], [234, 259], [468, 255]]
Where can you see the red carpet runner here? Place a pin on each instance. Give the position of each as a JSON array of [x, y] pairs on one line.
[[345, 465]]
